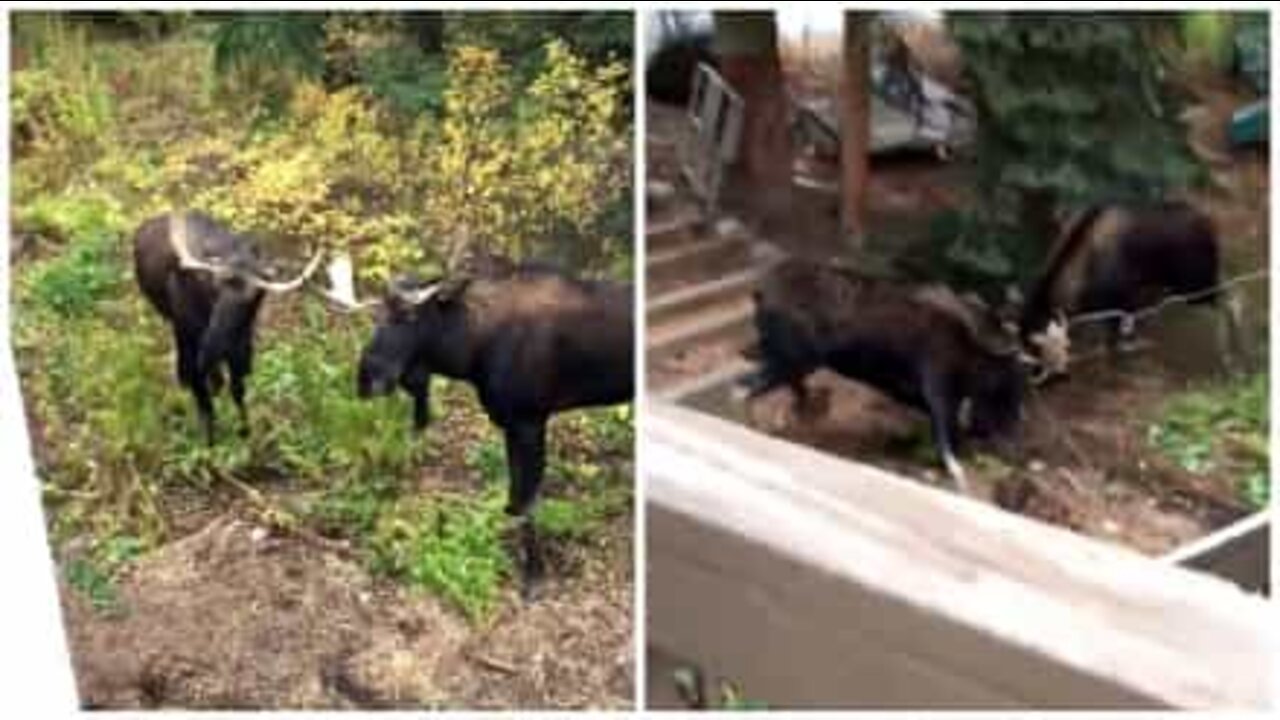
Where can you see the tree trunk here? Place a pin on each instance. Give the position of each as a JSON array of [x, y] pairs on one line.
[[1037, 215], [855, 126], [428, 30], [747, 45]]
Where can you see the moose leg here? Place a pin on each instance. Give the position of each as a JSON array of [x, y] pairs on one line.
[[417, 382], [1230, 341], [756, 384], [943, 409], [186, 353], [239, 365], [788, 356], [204, 403], [1122, 336], [800, 398], [189, 373], [808, 403], [526, 461]]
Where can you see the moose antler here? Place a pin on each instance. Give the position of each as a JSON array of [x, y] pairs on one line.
[[288, 285], [1054, 350], [178, 240], [419, 296], [342, 288]]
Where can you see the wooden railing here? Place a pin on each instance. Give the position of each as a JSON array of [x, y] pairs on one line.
[[710, 143], [810, 581]]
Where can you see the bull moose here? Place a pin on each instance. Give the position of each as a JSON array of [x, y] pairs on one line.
[[923, 346], [1120, 257], [532, 340], [208, 283]]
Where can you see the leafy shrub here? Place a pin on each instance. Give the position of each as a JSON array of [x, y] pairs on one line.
[[89, 267], [568, 519], [60, 97], [410, 82], [966, 250], [74, 282], [529, 176], [337, 174], [264, 53], [60, 110], [452, 546], [1220, 429], [94, 575]]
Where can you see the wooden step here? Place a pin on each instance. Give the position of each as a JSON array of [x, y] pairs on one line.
[[699, 261], [732, 321], [698, 298], [727, 372], [677, 228]]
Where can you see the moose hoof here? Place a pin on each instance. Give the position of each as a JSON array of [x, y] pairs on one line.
[[532, 590], [814, 406]]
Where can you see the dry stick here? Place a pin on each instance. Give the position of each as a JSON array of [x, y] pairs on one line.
[[283, 520], [495, 664]]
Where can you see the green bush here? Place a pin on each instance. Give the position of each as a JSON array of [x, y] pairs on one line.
[[1220, 429], [1071, 110], [453, 546], [74, 282]]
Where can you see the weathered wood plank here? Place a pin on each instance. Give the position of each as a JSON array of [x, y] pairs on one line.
[[813, 581]]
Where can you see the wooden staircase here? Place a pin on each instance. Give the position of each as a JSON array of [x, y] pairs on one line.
[[700, 277]]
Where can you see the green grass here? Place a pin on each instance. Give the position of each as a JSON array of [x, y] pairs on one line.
[[453, 546], [1220, 429], [94, 575], [88, 268], [691, 686], [488, 459]]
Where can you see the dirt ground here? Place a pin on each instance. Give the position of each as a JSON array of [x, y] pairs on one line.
[[1081, 459], [234, 616]]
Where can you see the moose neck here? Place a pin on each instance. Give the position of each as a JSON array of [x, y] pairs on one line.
[[446, 345]]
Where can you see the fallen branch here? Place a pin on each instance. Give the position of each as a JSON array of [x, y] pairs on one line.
[[284, 521], [495, 664]]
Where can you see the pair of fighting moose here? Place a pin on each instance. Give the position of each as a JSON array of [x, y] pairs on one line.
[[963, 362], [532, 340]]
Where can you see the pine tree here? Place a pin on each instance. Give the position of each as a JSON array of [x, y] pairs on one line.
[[1071, 109]]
